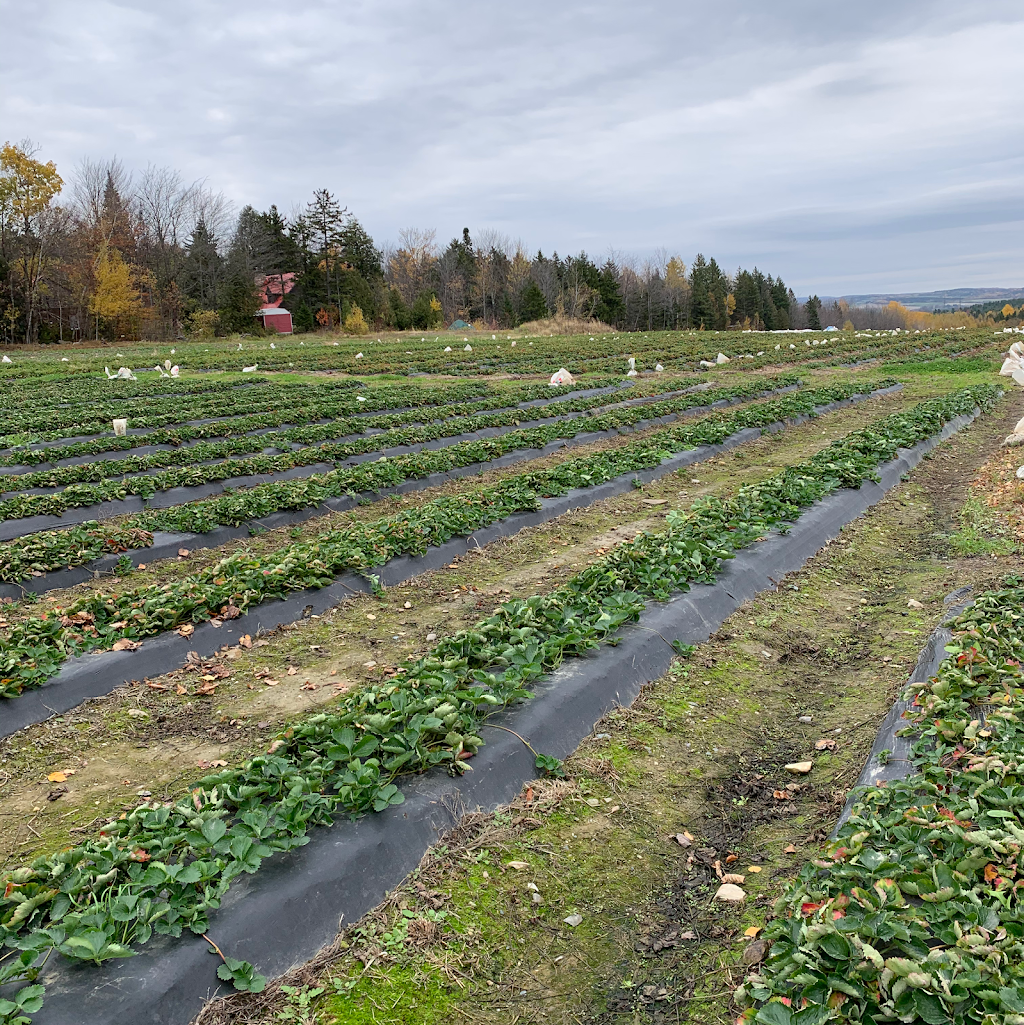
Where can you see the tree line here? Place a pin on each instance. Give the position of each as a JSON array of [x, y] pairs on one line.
[[109, 255]]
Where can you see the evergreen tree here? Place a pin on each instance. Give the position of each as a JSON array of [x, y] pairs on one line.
[[532, 305], [357, 249], [399, 314], [813, 310], [201, 274]]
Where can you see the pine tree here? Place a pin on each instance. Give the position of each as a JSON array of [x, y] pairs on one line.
[[813, 310], [201, 274]]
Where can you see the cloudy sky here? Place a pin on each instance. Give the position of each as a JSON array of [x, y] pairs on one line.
[[851, 147]]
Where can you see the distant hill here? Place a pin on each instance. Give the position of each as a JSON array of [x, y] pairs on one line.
[[948, 299]]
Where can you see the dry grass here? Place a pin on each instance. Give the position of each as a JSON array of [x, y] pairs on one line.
[[562, 326]]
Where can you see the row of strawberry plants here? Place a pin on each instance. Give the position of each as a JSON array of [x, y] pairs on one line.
[[342, 422], [33, 650], [81, 389], [163, 868], [913, 913], [51, 424], [443, 422], [367, 476], [54, 549]]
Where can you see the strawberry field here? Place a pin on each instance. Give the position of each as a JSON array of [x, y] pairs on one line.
[[341, 592]]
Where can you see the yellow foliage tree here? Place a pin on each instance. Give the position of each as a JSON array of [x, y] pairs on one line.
[[116, 296], [1008, 311], [27, 188], [355, 323]]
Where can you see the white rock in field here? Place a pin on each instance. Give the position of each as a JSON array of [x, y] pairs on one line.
[[6, 359], [730, 893], [777, 347], [799, 768], [1020, 472], [359, 355], [721, 358], [249, 370], [561, 376], [447, 348], [658, 368], [120, 428], [468, 348], [792, 346]]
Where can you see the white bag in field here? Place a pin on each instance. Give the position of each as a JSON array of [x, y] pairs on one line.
[[249, 370], [721, 358], [120, 428], [561, 376]]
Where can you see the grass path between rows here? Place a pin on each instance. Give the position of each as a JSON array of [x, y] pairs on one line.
[[700, 756]]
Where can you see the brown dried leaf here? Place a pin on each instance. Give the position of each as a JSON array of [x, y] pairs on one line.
[[125, 644]]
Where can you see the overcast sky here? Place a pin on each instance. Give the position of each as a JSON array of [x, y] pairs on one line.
[[851, 147]]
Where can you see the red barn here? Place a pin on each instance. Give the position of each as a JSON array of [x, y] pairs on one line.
[[274, 318], [273, 288]]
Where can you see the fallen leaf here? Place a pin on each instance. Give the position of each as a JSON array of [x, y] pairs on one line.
[[292, 671], [124, 644], [754, 868], [730, 858], [991, 872], [245, 641], [730, 893], [789, 849], [57, 777], [752, 931], [183, 553], [529, 795], [271, 683], [156, 686], [139, 854], [119, 625], [181, 689], [733, 877], [370, 615], [230, 612], [187, 630], [825, 745], [518, 865], [369, 665], [308, 686], [233, 653], [684, 839], [654, 501], [688, 935], [276, 746]]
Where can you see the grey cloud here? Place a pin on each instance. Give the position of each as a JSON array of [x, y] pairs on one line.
[[848, 142]]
